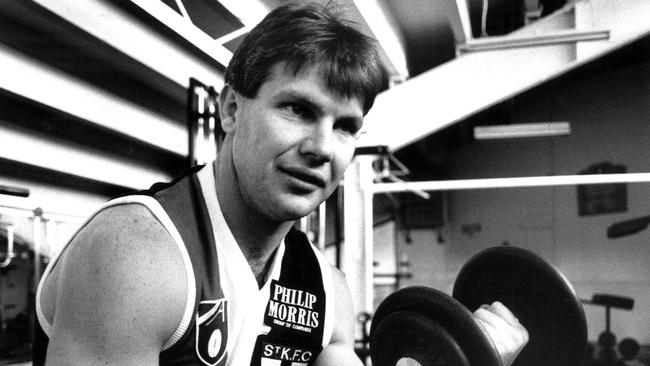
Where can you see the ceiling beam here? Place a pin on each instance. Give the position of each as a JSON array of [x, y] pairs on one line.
[[475, 81], [110, 23], [249, 12], [458, 18], [44, 84], [47, 152], [385, 32]]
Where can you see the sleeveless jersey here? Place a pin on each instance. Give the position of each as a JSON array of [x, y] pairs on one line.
[[229, 320]]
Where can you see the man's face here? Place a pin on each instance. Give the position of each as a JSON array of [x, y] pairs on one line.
[[292, 143]]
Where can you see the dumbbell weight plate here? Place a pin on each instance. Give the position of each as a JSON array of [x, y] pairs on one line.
[[537, 294], [404, 335], [430, 327]]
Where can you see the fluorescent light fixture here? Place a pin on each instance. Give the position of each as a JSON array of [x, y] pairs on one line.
[[522, 130], [382, 29]]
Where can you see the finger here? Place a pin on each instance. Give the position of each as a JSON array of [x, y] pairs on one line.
[[499, 309], [491, 324], [508, 340], [497, 327], [489, 317]]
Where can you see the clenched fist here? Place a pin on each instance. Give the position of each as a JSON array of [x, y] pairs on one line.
[[504, 329]]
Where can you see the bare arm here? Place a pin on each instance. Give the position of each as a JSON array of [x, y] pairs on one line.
[[498, 322], [121, 292], [340, 351]]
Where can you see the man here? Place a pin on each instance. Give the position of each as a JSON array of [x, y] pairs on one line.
[[207, 270]]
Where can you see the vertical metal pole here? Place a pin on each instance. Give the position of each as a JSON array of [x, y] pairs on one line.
[[357, 254], [213, 121], [322, 225], [583, 13], [10, 247], [38, 215], [211, 148], [609, 350], [51, 238], [303, 224], [338, 226]]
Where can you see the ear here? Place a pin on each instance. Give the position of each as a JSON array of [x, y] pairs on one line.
[[228, 104]]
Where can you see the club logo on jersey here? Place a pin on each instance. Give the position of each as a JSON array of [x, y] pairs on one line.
[[277, 354], [294, 309], [212, 332]]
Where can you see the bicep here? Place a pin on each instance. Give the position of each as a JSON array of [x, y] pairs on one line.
[[340, 350], [114, 304]]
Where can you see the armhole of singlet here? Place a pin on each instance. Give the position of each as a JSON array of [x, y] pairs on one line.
[[41, 318], [330, 305], [159, 213]]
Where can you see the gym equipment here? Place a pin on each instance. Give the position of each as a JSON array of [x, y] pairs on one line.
[[628, 227], [607, 339], [610, 301], [10, 254], [204, 129], [362, 346], [433, 328]]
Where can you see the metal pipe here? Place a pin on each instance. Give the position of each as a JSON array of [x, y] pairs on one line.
[[548, 39], [21, 211], [322, 225], [37, 247], [10, 247], [338, 225], [558, 180]]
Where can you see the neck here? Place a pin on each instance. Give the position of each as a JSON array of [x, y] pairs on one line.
[[258, 236]]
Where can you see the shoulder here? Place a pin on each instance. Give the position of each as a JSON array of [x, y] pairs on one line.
[[122, 278], [125, 242], [126, 238]]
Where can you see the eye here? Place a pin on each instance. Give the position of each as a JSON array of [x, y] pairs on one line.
[[298, 110], [349, 127]]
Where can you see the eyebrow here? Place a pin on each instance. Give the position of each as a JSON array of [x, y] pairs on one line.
[[301, 98]]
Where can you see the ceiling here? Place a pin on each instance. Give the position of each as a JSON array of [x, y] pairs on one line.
[[415, 35], [428, 30], [428, 27]]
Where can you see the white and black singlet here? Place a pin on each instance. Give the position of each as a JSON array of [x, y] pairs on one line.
[[229, 320]]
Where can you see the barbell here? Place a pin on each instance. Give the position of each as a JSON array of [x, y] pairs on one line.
[[423, 326]]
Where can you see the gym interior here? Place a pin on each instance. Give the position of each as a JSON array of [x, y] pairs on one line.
[[512, 123]]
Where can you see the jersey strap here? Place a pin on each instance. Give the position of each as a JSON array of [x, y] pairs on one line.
[[204, 341]]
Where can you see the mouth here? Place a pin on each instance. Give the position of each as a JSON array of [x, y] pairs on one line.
[[305, 175]]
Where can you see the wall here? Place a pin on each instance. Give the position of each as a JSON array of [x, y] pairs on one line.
[[93, 104], [608, 116], [93, 101]]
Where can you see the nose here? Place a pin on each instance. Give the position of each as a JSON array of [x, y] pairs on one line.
[[318, 144]]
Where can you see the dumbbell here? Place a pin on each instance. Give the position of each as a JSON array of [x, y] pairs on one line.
[[421, 325]]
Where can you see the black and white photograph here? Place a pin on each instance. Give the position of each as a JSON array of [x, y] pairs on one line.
[[324, 182]]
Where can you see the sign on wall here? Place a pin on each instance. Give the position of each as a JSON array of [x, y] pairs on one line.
[[596, 199]]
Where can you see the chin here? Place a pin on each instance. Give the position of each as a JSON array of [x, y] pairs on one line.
[[299, 208]]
